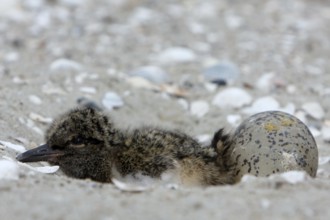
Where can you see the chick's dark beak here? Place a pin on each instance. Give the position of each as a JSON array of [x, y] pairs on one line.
[[41, 153]]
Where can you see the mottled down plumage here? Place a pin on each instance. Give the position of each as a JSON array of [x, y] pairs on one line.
[[86, 144]]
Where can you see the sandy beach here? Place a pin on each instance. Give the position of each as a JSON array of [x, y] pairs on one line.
[[161, 63]]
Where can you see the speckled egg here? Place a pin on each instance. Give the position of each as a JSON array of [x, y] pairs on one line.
[[272, 142]]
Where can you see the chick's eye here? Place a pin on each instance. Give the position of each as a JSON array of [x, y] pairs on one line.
[[56, 147], [77, 140]]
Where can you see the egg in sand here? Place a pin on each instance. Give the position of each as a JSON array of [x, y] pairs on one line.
[[273, 142]]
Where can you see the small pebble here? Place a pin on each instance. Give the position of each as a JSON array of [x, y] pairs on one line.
[[39, 118], [315, 132], [90, 90], [177, 55], [199, 108], [262, 104], [184, 103], [232, 98], [112, 100], [11, 57], [324, 160], [35, 99], [326, 133], [266, 82], [65, 65], [234, 120], [152, 73], [314, 109], [222, 73], [139, 82], [210, 87], [8, 170], [290, 108]]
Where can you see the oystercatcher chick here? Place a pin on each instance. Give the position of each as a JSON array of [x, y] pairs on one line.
[[85, 143]]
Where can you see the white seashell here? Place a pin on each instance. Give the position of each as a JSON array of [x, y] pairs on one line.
[[39, 118], [266, 82], [129, 187], [232, 98], [90, 90], [184, 103], [199, 108], [112, 100], [8, 170], [140, 82], [16, 147], [151, 73], [262, 104], [326, 133], [234, 120], [265, 203], [43, 169], [324, 160], [35, 99], [177, 55], [314, 109], [65, 65]]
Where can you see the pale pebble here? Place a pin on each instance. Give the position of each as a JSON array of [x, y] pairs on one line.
[[18, 80], [12, 57], [50, 89], [262, 104], [199, 108], [290, 108], [35, 99], [266, 82], [151, 73], [6, 7], [29, 123], [232, 98], [211, 87], [326, 133], [80, 77], [43, 169], [73, 3], [314, 109], [86, 89], [222, 72], [177, 55], [142, 15], [301, 115], [291, 89], [33, 4], [39, 118], [65, 65], [324, 160], [265, 203], [183, 103], [8, 170], [140, 82], [233, 21], [315, 132], [16, 147], [234, 120], [112, 100]]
